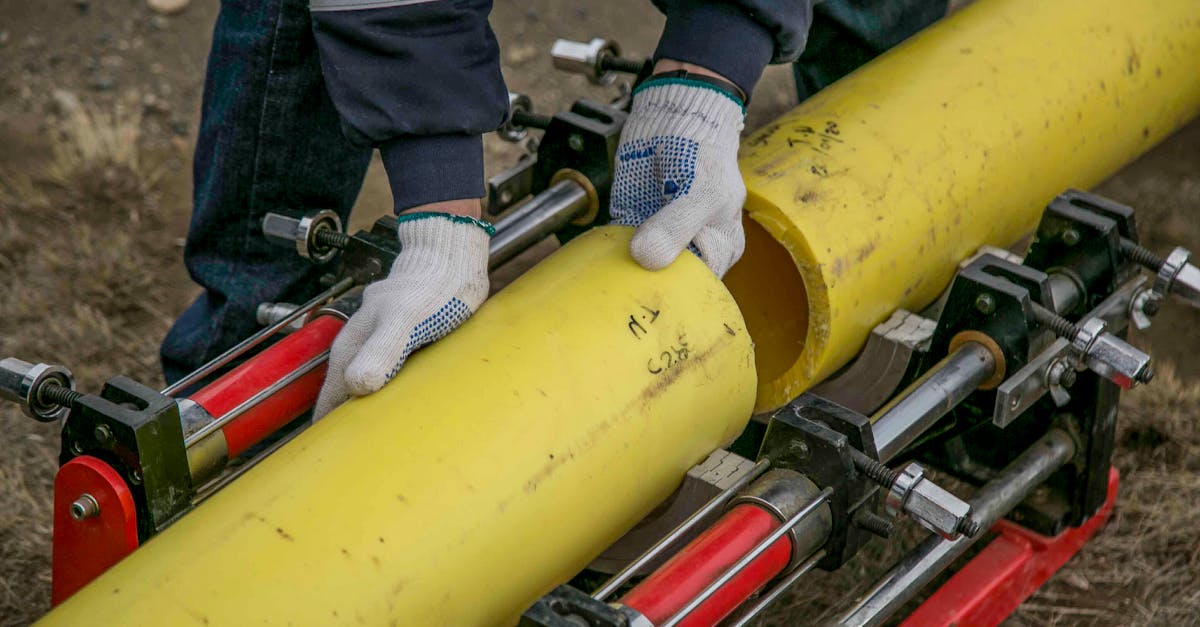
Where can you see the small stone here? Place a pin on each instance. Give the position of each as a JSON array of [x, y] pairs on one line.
[[83, 6], [154, 104], [65, 101], [159, 22], [102, 83], [3, 37], [167, 7], [1077, 580], [519, 54]]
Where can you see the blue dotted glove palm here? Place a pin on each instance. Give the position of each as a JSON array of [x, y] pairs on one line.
[[437, 281], [677, 177]]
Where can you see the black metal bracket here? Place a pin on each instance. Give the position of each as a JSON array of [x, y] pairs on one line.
[[1080, 234], [583, 139], [818, 437], [137, 431], [368, 255], [995, 297]]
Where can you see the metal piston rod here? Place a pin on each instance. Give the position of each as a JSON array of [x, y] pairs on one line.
[[902, 421], [540, 217], [935, 554]]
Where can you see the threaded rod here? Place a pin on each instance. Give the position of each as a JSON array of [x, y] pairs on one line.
[[618, 64], [1059, 325], [873, 469], [529, 119], [874, 523], [331, 238], [969, 527], [1140, 254], [52, 393]]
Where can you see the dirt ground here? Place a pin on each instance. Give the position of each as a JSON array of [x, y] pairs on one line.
[[98, 110]]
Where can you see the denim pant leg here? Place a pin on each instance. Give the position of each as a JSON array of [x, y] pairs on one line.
[[848, 33], [270, 141]]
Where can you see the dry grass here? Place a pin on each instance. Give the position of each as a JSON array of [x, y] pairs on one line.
[[90, 280]]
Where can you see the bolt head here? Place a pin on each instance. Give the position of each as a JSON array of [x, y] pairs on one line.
[[1067, 378], [84, 507], [799, 450], [1071, 237], [103, 435], [1151, 307], [585, 58], [575, 142], [985, 303]]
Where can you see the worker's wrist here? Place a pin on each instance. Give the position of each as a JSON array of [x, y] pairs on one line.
[[466, 207], [427, 169], [670, 70]]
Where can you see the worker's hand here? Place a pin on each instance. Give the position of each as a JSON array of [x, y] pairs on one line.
[[677, 176], [438, 280]]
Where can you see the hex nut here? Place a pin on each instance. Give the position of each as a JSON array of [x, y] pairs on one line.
[[585, 58], [936, 509]]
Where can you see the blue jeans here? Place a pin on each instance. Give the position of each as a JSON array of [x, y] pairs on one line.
[[269, 141]]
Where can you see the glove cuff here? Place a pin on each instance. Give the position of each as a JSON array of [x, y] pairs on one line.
[[686, 108]]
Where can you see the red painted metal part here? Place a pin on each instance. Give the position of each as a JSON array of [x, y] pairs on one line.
[[264, 369], [699, 563], [83, 549], [993, 584]]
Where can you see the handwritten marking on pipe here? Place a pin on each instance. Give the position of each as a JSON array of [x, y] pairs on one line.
[[673, 357], [635, 325]]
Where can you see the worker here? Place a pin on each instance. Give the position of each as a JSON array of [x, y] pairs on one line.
[[299, 92]]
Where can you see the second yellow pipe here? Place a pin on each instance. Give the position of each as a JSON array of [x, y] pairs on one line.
[[865, 198]]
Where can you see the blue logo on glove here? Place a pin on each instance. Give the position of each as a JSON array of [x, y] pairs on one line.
[[652, 172]]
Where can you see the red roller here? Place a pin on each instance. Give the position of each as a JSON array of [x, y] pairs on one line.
[[261, 372], [90, 541], [702, 561]]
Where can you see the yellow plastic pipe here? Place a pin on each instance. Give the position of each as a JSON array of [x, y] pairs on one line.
[[866, 197], [501, 461]]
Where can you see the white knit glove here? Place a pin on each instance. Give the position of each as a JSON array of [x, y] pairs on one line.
[[438, 280], [677, 176]]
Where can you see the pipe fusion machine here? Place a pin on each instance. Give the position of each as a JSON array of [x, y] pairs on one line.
[[696, 446]]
